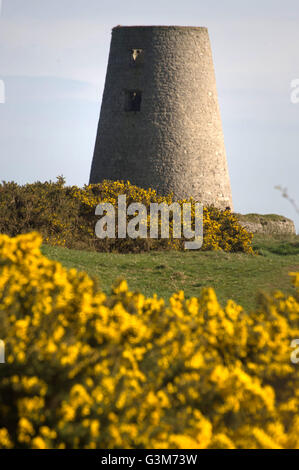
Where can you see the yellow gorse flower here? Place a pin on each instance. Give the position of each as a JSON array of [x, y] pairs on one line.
[[89, 370], [45, 205]]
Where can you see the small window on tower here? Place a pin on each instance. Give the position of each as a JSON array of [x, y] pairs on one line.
[[133, 100], [137, 56]]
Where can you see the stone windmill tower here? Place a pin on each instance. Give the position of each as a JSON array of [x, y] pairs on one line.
[[160, 124]]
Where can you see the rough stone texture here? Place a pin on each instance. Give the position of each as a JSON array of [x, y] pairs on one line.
[[175, 142], [267, 224]]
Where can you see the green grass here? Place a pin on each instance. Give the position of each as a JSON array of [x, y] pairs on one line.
[[259, 217], [234, 276]]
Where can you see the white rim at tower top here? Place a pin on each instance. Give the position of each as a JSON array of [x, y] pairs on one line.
[[163, 26]]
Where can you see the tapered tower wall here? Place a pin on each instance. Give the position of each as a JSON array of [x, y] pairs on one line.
[[160, 124]]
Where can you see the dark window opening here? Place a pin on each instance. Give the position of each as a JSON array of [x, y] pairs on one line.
[[133, 101], [137, 56]]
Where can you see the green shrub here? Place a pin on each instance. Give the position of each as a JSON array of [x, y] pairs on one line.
[[65, 216]]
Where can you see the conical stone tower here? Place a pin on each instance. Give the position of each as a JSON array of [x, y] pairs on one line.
[[160, 124]]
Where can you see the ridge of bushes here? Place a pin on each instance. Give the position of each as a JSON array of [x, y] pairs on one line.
[[65, 216]]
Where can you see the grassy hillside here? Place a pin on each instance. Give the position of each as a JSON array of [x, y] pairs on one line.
[[236, 276]]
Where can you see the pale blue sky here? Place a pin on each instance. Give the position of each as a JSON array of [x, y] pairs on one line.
[[53, 58]]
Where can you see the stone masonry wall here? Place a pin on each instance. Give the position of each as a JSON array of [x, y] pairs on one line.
[[175, 142]]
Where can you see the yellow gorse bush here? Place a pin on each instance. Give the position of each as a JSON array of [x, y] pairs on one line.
[[89, 370], [65, 216]]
